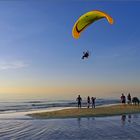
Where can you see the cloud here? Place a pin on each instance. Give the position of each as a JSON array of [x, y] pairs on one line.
[[6, 65]]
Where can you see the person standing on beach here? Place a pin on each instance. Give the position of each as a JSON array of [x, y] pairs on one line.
[[129, 98], [79, 99], [123, 99], [93, 101], [88, 102]]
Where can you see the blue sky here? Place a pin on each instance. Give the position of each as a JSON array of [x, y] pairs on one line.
[[37, 48]]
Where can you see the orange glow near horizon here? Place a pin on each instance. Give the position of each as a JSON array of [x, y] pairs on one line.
[[65, 92]]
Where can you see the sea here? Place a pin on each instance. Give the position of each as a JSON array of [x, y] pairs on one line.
[[16, 125], [24, 105]]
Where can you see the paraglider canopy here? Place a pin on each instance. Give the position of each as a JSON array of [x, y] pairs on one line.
[[86, 19]]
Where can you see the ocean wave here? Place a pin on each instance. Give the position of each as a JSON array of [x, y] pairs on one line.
[[32, 105]]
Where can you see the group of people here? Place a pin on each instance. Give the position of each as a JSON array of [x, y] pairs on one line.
[[123, 98], [89, 101], [130, 100]]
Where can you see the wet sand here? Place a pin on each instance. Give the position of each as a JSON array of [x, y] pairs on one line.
[[126, 127], [19, 126], [24, 114], [88, 112]]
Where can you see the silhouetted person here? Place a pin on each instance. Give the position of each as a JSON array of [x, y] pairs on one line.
[[129, 98], [93, 101], [79, 99], [85, 55], [88, 102], [123, 99]]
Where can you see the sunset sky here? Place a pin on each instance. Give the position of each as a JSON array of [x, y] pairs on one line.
[[39, 58]]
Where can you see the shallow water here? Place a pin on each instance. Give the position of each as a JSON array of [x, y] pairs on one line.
[[103, 128], [8, 107]]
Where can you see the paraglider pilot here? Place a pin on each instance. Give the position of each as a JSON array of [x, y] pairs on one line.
[[85, 55]]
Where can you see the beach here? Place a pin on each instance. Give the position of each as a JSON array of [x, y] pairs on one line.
[[19, 125], [124, 127], [69, 70], [101, 111]]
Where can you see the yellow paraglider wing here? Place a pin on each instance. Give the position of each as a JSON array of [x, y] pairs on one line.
[[86, 19]]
